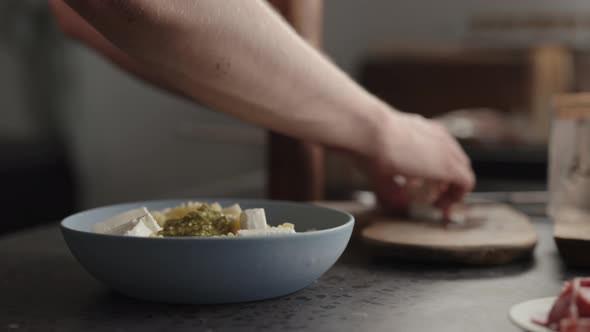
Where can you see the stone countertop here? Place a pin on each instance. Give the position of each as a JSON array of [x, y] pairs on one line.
[[44, 289]]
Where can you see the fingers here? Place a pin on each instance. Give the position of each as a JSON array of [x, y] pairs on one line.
[[463, 178], [456, 175], [456, 150], [428, 151], [459, 184], [391, 192], [420, 148], [394, 197], [450, 197]]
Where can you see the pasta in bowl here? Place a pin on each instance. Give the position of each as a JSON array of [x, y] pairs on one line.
[[192, 219]]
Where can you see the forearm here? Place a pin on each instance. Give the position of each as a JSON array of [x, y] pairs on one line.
[[240, 57], [283, 84], [275, 79]]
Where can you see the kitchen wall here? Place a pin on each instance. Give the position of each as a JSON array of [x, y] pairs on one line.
[[20, 30], [353, 26], [16, 123], [132, 142]]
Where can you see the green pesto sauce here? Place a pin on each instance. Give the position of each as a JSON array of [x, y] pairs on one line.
[[203, 222]]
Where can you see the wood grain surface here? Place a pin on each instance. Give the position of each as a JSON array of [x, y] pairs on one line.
[[491, 234]]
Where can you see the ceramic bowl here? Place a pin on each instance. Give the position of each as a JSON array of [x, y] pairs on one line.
[[212, 270]]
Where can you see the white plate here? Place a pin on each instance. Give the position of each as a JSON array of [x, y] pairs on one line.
[[522, 314]]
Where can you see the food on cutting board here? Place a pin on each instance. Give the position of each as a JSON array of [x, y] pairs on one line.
[[192, 219], [422, 198], [571, 310]]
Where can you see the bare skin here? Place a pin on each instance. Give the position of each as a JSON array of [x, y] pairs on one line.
[[241, 58]]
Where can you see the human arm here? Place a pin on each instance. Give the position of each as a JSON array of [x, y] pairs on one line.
[[241, 58]]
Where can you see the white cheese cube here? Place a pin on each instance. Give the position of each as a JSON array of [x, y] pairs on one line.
[[232, 210], [140, 229], [264, 232], [151, 223], [121, 223], [253, 219]]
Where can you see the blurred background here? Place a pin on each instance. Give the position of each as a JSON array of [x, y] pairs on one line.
[[75, 132]]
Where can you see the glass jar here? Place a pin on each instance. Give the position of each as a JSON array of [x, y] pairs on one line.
[[569, 155]]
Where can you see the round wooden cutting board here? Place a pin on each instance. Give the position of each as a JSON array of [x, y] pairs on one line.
[[491, 234]]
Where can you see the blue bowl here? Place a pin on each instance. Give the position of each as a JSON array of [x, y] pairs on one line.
[[212, 270]]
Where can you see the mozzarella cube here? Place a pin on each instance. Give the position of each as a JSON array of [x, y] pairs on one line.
[[121, 223], [253, 219], [232, 210], [267, 231], [140, 229], [128, 222]]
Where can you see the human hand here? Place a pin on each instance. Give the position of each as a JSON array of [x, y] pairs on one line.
[[418, 159], [248, 64]]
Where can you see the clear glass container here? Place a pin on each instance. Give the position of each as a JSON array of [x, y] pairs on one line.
[[569, 156]]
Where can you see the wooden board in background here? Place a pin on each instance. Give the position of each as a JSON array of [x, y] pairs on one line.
[[493, 234], [572, 237]]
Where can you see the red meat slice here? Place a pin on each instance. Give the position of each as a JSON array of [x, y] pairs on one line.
[[571, 310], [580, 325]]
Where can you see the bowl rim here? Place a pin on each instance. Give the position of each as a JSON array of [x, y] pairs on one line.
[[348, 224]]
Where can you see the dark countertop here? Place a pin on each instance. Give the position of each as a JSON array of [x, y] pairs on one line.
[[44, 289]]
